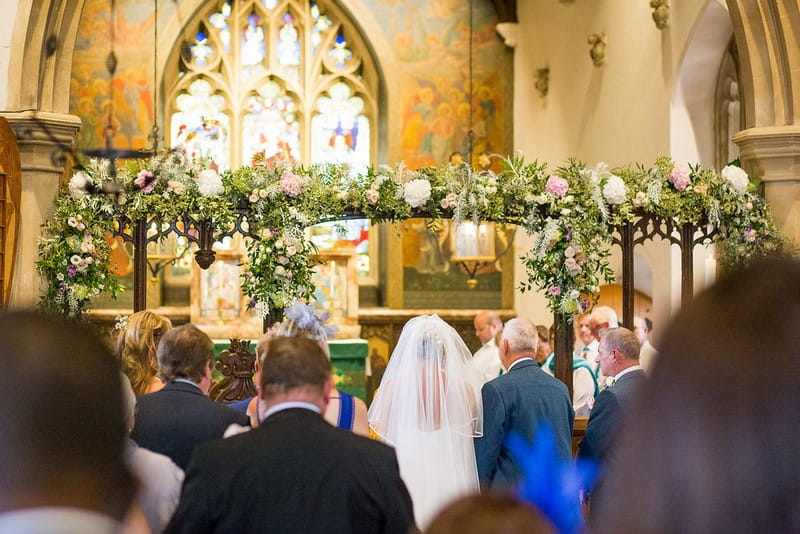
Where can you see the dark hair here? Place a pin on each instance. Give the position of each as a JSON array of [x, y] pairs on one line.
[[62, 429], [293, 363], [184, 352], [712, 445], [489, 514]]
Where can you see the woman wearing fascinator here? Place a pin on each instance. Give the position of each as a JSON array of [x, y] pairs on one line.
[[302, 320], [428, 408]]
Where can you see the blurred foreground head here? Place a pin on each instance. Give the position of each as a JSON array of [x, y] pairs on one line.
[[489, 514], [713, 445], [62, 430]]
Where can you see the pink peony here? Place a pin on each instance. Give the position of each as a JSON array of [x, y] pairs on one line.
[[291, 184], [556, 186], [145, 181], [680, 178]]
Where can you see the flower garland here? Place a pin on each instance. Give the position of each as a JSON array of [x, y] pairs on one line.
[[569, 211]]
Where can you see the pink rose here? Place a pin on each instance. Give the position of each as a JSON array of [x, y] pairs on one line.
[[554, 290], [680, 178], [556, 186]]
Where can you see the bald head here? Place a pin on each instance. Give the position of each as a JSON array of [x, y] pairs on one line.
[[62, 428], [487, 325]]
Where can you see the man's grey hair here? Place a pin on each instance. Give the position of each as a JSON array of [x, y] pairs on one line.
[[521, 335], [605, 314], [624, 341]]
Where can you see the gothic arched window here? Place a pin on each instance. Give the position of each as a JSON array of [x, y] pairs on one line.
[[275, 79]]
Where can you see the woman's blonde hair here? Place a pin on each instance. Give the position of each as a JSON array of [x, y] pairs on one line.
[[136, 348]]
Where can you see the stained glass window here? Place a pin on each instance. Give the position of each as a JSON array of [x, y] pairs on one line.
[[276, 77], [200, 125]]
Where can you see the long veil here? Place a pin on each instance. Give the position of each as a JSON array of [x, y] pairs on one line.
[[429, 408]]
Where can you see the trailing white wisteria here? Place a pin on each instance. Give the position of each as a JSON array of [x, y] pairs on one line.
[[571, 210]]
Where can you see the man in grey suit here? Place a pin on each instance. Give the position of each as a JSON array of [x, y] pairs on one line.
[[517, 402], [618, 356]]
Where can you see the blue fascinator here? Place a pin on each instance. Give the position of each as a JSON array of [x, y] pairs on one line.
[[551, 483]]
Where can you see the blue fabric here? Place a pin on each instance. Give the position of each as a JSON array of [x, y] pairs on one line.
[[240, 406], [347, 411]]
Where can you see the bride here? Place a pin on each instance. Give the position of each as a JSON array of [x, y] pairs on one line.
[[428, 408]]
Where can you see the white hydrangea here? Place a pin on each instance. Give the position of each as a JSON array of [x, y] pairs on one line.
[[79, 184], [736, 178], [614, 190], [417, 192], [209, 183]]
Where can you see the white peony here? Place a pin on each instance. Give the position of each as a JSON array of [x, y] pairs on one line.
[[79, 185], [417, 192], [614, 190], [736, 177], [209, 183]]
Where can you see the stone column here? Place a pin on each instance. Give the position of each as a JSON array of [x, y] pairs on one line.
[[772, 153], [43, 138]]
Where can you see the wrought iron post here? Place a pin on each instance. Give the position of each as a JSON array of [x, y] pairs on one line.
[[626, 232], [687, 263], [140, 265], [565, 339]]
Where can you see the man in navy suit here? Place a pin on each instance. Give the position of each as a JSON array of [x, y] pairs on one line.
[[180, 416], [517, 402], [618, 356], [295, 472]]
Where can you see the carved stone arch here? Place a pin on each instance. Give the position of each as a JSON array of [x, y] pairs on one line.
[[42, 48], [728, 109], [770, 62]]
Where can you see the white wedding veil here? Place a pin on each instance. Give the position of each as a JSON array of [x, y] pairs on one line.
[[428, 407]]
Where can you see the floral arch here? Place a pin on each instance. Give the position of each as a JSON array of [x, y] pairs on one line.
[[572, 211]]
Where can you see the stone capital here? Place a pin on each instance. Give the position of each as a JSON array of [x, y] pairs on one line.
[[509, 31], [771, 153], [43, 138]]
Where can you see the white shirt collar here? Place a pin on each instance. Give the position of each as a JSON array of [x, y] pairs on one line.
[[516, 362], [57, 519], [291, 404], [626, 371], [187, 381]]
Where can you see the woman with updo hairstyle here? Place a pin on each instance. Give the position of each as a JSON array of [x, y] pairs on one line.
[[136, 348]]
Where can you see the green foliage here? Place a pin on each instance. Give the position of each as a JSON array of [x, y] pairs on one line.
[[569, 212]]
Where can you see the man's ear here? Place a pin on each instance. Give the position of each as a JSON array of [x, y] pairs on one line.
[[327, 389]]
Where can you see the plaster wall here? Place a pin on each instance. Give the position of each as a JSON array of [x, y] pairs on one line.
[[9, 7], [617, 113]]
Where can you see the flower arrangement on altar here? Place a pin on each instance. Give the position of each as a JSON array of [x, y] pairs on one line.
[[570, 211]]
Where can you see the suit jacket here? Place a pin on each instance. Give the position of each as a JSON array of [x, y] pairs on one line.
[[294, 473], [610, 408], [175, 419], [517, 402]]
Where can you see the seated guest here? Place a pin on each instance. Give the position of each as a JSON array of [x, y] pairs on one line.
[[62, 433], [174, 420], [295, 472], [136, 348], [712, 445], [159, 478]]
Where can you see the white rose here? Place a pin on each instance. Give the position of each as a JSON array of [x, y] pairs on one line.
[[614, 190], [417, 192], [79, 184], [491, 190], [209, 183], [736, 177], [574, 294]]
